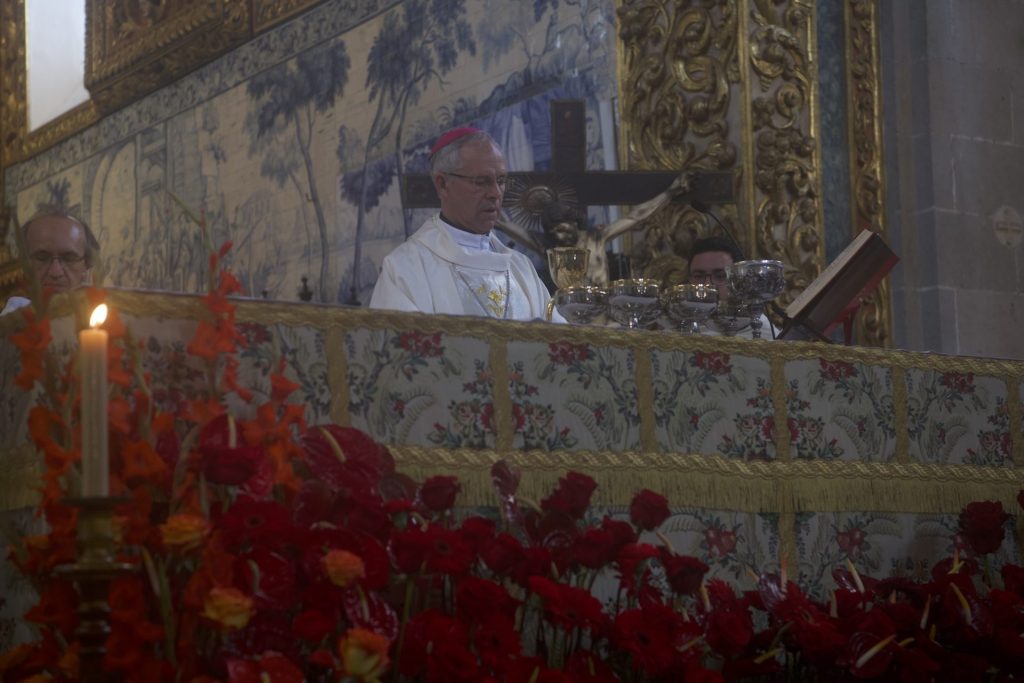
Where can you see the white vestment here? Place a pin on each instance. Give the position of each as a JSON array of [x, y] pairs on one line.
[[13, 304], [433, 273]]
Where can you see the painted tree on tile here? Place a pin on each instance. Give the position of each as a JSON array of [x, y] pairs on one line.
[[418, 44], [287, 100]]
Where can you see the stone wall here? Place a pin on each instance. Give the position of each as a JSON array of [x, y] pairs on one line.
[[954, 117]]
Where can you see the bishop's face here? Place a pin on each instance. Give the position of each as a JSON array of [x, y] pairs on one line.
[[471, 195]]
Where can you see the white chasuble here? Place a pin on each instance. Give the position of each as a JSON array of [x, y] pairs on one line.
[[476, 275]]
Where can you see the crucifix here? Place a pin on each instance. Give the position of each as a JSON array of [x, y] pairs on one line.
[[569, 182]]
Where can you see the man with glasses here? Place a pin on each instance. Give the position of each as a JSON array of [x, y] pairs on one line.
[[453, 264], [710, 258], [61, 251]]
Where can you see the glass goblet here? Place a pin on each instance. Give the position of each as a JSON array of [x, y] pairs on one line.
[[689, 305], [755, 283], [634, 302], [731, 317], [580, 305]]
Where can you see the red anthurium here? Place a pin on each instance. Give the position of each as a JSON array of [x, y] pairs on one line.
[[438, 493], [572, 496]]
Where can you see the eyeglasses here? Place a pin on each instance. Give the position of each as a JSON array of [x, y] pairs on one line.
[[718, 276], [482, 182], [69, 260]]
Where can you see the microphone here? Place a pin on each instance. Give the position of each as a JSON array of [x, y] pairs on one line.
[[702, 208]]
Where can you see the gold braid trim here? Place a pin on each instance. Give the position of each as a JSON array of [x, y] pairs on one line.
[[316, 316], [777, 368], [501, 394], [723, 484], [899, 407], [644, 373], [337, 375]]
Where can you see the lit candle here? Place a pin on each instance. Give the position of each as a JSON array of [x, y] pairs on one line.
[[93, 367]]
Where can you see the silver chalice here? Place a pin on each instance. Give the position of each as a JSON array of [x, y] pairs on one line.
[[755, 283], [580, 305], [731, 317], [690, 305], [634, 302]]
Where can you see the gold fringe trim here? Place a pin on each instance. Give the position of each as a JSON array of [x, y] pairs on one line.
[[644, 377], [723, 484], [337, 375]]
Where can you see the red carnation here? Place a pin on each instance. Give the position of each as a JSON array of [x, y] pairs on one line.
[[684, 573], [648, 510], [981, 525]]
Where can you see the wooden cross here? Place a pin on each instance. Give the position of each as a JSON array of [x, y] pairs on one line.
[[597, 188]]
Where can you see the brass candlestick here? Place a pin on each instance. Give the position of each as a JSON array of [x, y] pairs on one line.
[[95, 568]]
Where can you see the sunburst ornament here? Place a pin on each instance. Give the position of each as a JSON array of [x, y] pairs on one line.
[[527, 197]]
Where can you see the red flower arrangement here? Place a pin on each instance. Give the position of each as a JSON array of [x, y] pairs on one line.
[[270, 550]]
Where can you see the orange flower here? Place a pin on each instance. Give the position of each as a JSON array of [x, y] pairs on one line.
[[33, 342], [140, 463], [343, 567], [364, 654], [230, 608], [184, 531], [280, 386]]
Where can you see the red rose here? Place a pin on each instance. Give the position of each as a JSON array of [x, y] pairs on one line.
[[981, 525], [438, 493], [648, 510]]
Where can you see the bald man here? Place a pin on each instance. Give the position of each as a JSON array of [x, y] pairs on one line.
[[61, 252], [453, 264]]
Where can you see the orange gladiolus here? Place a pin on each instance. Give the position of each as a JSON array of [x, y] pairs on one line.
[[33, 342], [343, 568], [229, 608], [364, 654]]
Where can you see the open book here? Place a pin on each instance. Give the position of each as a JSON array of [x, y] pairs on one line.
[[840, 288]]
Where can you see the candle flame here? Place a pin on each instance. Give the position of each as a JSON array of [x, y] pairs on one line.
[[99, 314]]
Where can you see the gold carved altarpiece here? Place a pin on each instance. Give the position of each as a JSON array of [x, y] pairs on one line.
[[732, 85], [713, 84]]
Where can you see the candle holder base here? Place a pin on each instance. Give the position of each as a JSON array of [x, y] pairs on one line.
[[92, 572]]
